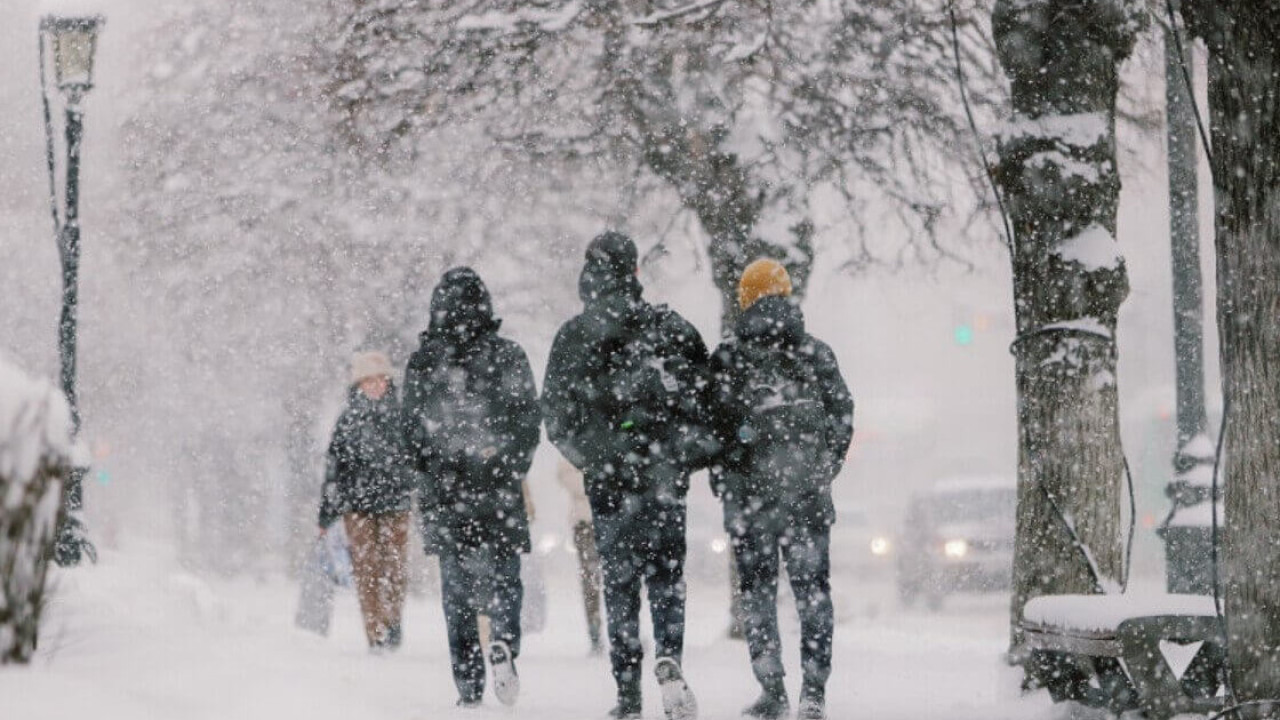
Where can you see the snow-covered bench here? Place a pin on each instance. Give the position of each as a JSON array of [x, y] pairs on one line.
[[1106, 651]]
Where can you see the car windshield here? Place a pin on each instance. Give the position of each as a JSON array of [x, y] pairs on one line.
[[973, 505]]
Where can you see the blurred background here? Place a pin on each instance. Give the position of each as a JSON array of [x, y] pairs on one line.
[[227, 276]]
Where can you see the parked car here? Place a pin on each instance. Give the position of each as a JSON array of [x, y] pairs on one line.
[[859, 548], [957, 537]]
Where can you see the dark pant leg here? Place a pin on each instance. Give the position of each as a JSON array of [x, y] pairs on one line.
[[458, 588], [506, 600], [664, 555], [584, 539], [756, 552], [615, 541], [807, 551]]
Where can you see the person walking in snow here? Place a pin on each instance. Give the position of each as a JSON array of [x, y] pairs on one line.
[[584, 542], [623, 402], [784, 417], [472, 423], [367, 484]]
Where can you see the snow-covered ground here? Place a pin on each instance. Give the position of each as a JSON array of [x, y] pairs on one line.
[[136, 637]]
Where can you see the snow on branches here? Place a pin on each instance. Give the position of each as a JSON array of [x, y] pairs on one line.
[[744, 109], [36, 449]]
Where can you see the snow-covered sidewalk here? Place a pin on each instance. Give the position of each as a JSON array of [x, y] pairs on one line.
[[137, 638]]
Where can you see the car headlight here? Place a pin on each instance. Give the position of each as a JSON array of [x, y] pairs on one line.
[[548, 543], [955, 548], [719, 545], [880, 546]]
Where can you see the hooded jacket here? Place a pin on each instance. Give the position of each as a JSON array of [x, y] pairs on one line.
[[771, 332], [471, 422], [626, 381], [367, 469]]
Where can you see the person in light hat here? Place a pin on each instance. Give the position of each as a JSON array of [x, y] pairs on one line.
[[367, 485], [784, 419]]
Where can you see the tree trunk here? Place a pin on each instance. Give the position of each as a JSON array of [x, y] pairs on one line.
[[1244, 109], [1057, 170]]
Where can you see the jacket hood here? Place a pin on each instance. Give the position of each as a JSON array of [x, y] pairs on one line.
[[772, 321], [610, 270], [461, 307]]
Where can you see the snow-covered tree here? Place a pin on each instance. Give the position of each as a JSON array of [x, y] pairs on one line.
[[744, 109], [1243, 38], [37, 449], [269, 247], [1057, 170]]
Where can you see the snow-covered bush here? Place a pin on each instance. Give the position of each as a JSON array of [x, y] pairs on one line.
[[37, 448]]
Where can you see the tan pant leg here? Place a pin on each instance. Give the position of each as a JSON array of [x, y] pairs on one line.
[[394, 543], [362, 534]]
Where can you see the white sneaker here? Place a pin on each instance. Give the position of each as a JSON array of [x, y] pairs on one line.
[[677, 700], [506, 683]]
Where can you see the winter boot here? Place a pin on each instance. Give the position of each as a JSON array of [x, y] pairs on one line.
[[772, 703], [677, 700], [394, 636], [813, 703], [628, 707], [506, 683], [468, 703]]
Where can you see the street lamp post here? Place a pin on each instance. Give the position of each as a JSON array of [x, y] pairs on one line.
[[72, 42]]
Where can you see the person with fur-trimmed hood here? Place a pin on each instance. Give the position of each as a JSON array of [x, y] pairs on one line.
[[623, 401], [367, 485], [784, 417], [472, 423]]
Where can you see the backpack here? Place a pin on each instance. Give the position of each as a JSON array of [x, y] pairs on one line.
[[642, 385], [784, 425]]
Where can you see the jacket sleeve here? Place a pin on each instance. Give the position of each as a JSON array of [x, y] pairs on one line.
[[564, 409], [838, 403], [413, 434], [697, 444], [336, 460], [723, 414], [520, 400]]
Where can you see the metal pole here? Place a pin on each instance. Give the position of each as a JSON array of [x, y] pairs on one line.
[[1184, 232], [1187, 546], [69, 250]]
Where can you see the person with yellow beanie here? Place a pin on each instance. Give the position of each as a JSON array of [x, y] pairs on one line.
[[784, 417]]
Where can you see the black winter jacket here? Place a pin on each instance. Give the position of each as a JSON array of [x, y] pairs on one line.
[[625, 389], [367, 469], [771, 333], [471, 421]]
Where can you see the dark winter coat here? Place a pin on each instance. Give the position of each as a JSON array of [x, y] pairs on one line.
[[367, 468], [471, 421], [625, 384], [778, 473]]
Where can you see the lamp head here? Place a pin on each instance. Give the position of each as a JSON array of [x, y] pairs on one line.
[[74, 40]]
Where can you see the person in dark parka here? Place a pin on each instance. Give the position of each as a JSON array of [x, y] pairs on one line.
[[367, 485], [472, 423], [623, 401], [784, 417]]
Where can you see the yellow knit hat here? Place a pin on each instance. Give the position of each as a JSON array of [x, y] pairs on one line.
[[763, 278]]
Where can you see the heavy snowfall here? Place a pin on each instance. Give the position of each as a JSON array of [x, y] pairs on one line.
[[654, 358]]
